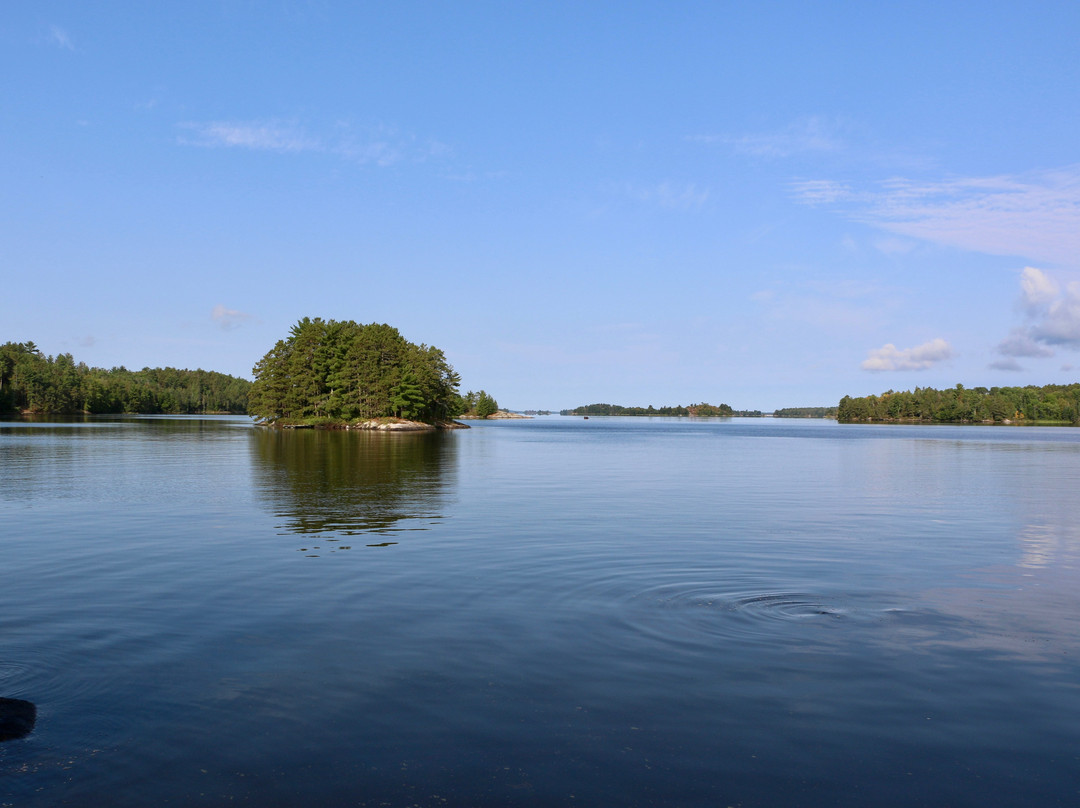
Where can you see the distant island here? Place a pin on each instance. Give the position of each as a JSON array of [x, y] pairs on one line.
[[805, 412], [35, 384], [701, 411], [697, 410], [1051, 404]]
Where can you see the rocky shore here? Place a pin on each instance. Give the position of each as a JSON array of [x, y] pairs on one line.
[[494, 416], [373, 424]]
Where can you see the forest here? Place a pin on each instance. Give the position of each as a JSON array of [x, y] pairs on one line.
[[31, 382], [328, 372], [805, 412], [1053, 403], [700, 410]]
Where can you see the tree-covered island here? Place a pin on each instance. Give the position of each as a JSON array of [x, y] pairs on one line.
[[699, 410], [328, 373]]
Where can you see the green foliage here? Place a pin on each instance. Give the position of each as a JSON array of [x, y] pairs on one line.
[[806, 412], [1050, 404], [343, 371], [407, 399], [701, 410], [33, 382], [486, 405], [478, 404]]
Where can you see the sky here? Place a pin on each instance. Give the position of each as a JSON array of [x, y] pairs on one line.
[[763, 204]]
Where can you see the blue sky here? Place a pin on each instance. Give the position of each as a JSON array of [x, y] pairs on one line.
[[764, 204]]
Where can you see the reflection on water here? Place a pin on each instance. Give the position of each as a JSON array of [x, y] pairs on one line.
[[330, 483]]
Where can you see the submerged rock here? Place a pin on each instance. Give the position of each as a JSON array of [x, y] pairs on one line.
[[17, 718]]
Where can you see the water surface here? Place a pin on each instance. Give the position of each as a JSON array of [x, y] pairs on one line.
[[547, 612]]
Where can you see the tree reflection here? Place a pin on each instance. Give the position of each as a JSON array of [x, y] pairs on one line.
[[331, 483]]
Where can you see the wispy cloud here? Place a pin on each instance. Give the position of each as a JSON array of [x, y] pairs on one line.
[[811, 134], [228, 319], [1034, 215], [889, 357], [367, 145], [1007, 364], [60, 38], [1021, 343], [259, 135]]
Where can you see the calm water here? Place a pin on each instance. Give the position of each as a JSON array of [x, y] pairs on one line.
[[553, 612]]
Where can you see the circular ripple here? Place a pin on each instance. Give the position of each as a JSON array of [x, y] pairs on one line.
[[786, 606], [690, 612]]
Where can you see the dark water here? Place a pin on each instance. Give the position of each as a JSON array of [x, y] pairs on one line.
[[554, 612]]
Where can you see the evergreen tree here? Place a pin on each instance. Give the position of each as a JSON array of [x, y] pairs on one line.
[[486, 405], [345, 371]]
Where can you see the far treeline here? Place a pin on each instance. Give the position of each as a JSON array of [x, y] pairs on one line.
[[805, 412], [31, 382], [700, 410], [1053, 403]]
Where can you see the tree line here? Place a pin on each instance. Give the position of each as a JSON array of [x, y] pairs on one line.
[[805, 412], [32, 382], [701, 410], [1053, 403], [331, 371]]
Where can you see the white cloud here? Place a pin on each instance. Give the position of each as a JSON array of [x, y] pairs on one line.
[[228, 319], [1037, 289], [1034, 215], [1006, 364], [889, 357]]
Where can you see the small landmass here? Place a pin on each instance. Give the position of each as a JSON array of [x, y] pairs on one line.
[[343, 375], [805, 412], [494, 416], [692, 410]]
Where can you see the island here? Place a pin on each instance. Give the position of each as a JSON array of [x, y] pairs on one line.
[[693, 410], [333, 374]]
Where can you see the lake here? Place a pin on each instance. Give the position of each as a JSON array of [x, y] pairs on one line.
[[560, 611]]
